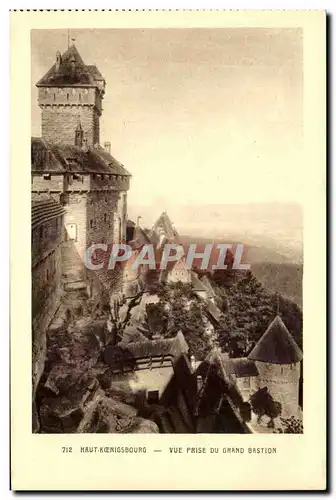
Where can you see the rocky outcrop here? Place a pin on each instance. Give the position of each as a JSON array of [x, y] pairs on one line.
[[107, 415]]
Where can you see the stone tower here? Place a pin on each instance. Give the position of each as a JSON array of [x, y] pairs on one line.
[[69, 91], [69, 165], [278, 358]]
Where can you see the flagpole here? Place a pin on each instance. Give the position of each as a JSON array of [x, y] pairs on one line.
[[68, 38]]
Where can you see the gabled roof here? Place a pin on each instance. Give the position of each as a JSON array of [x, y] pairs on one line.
[[164, 225], [45, 210], [95, 72], [219, 395], [139, 239], [213, 311], [196, 283], [276, 345], [62, 158], [131, 352], [206, 282], [72, 71]]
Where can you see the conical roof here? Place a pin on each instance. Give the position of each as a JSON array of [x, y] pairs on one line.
[[71, 71], [276, 345]]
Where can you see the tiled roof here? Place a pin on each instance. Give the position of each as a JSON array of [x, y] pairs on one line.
[[130, 352], [208, 286], [64, 158], [165, 225], [218, 391], [240, 367], [213, 311], [196, 283], [72, 71], [139, 238], [45, 210], [95, 72], [276, 345]]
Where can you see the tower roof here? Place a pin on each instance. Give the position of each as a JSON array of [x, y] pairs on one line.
[[276, 345], [62, 158], [71, 71], [165, 224]]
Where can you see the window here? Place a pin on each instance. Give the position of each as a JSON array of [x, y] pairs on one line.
[[41, 231], [47, 177], [47, 274], [80, 96], [105, 217], [91, 223], [153, 397], [67, 97], [54, 97]]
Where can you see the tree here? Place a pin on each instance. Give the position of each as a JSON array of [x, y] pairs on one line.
[[156, 318], [250, 309]]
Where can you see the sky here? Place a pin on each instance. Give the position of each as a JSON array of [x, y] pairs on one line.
[[198, 116]]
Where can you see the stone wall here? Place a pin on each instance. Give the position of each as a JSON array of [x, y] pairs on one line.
[[282, 382], [45, 238], [75, 223], [155, 379], [46, 297], [59, 123], [44, 183], [90, 219], [101, 205]]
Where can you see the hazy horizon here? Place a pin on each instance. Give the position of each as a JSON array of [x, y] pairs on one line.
[[200, 117]]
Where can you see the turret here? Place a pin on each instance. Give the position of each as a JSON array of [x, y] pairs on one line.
[[79, 134], [277, 358], [68, 90]]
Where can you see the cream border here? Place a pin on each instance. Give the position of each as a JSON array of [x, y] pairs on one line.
[[300, 462]]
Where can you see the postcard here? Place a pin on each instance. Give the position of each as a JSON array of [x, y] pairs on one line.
[[168, 323]]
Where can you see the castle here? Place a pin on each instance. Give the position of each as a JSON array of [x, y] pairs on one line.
[[79, 197], [79, 194]]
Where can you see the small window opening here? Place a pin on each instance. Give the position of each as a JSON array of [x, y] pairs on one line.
[[153, 397]]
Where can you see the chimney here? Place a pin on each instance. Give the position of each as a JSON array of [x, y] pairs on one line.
[[199, 383], [107, 146]]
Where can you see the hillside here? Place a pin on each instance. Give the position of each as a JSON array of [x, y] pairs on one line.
[[248, 308], [276, 271], [283, 278]]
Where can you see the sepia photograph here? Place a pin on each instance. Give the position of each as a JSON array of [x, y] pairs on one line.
[[167, 230]]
